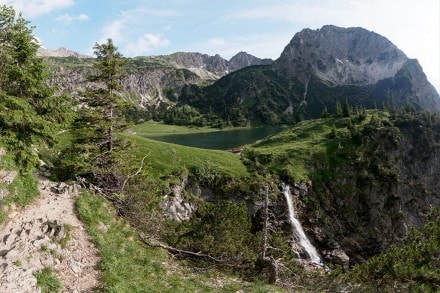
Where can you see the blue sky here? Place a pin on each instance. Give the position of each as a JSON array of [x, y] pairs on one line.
[[260, 27]]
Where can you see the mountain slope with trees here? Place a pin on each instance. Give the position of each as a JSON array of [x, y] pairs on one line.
[[317, 68]]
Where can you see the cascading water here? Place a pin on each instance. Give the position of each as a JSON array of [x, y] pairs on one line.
[[298, 231]]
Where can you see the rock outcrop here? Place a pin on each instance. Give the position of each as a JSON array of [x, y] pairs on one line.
[[174, 205]]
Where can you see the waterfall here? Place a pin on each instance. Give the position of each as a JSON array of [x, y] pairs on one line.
[[298, 231]]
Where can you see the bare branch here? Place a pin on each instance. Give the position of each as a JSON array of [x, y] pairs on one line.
[[156, 243], [135, 173]]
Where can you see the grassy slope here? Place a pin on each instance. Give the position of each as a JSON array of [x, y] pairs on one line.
[[21, 191], [130, 266], [165, 158], [292, 151]]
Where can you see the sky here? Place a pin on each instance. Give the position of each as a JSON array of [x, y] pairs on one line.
[[259, 27]]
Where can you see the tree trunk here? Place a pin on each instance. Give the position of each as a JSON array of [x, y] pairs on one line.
[[110, 131], [268, 262]]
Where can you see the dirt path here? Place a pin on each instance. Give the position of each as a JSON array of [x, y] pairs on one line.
[[31, 239]]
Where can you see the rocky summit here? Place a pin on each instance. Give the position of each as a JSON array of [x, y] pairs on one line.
[[341, 56], [355, 56], [60, 52]]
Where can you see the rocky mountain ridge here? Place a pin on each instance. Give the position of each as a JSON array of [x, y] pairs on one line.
[[355, 56], [342, 56], [316, 69], [151, 80], [212, 66], [60, 52]]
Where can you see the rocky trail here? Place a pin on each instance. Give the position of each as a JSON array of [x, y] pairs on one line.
[[47, 233]]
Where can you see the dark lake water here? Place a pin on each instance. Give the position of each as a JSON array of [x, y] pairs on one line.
[[220, 140]]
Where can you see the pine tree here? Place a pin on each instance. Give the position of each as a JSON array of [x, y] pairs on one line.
[[325, 113], [95, 153], [333, 132], [107, 102], [346, 110], [338, 109], [30, 112]]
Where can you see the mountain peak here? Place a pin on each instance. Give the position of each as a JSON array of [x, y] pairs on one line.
[[60, 52], [213, 67], [342, 56], [243, 59]]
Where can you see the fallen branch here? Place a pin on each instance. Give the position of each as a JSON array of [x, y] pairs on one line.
[[156, 243], [134, 174]]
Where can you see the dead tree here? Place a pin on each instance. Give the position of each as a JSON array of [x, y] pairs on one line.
[[267, 261]]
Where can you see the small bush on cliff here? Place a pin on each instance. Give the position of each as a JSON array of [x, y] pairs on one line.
[[222, 230]]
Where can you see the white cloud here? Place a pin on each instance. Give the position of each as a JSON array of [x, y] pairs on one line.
[[128, 31], [145, 44], [113, 30], [32, 8], [66, 18], [130, 19]]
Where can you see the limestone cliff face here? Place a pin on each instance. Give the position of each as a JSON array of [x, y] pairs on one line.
[[355, 56], [213, 66], [150, 80], [342, 55]]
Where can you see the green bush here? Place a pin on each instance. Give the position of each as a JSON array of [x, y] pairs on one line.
[[222, 230]]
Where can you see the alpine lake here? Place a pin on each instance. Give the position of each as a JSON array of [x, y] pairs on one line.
[[219, 139]]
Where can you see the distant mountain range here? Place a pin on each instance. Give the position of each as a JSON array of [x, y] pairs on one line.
[[316, 69], [152, 80], [60, 52]]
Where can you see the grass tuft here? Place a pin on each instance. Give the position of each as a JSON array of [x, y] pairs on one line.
[[47, 281]]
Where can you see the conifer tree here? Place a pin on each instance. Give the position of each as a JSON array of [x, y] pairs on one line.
[[30, 112], [346, 110], [106, 102], [96, 149], [325, 113], [338, 109]]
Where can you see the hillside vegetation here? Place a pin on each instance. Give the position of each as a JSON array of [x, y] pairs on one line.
[[169, 218], [317, 151]]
